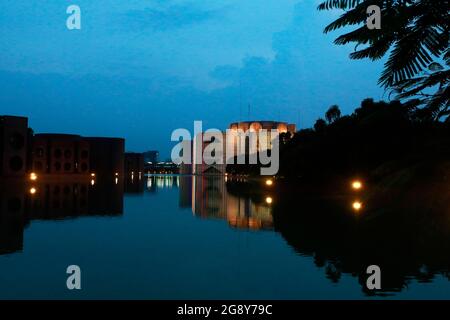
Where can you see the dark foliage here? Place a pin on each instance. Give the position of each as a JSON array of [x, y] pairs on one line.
[[376, 134], [415, 35]]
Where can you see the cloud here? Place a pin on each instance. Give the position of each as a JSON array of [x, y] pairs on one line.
[[307, 74], [304, 74], [225, 73], [174, 16]]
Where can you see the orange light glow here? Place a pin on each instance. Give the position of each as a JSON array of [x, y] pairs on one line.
[[357, 205], [33, 190], [269, 200], [33, 176], [269, 182], [92, 174], [356, 185]]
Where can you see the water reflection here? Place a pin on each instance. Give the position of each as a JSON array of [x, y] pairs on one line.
[[208, 197], [57, 199], [357, 205], [341, 230], [405, 232]]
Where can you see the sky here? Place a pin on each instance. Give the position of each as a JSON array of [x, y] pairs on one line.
[[140, 69]]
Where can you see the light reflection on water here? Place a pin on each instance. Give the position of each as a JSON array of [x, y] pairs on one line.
[[135, 240]]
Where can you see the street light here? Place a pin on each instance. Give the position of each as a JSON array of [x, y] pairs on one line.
[[357, 205], [356, 185]]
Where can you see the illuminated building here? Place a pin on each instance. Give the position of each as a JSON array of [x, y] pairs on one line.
[[203, 164], [256, 127], [232, 142], [187, 168]]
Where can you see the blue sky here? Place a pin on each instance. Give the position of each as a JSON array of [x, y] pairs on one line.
[[141, 68]]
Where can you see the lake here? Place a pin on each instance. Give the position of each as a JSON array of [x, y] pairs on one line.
[[184, 237]]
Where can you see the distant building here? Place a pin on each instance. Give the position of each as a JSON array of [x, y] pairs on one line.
[[60, 154], [107, 156], [205, 166], [282, 127], [202, 140], [151, 156], [13, 146], [134, 165], [187, 168], [23, 152], [256, 126]]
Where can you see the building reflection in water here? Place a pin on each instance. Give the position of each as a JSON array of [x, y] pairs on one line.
[[21, 202], [12, 216], [161, 181], [208, 197], [405, 232], [57, 198]]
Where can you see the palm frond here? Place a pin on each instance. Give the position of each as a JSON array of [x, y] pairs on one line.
[[339, 4]]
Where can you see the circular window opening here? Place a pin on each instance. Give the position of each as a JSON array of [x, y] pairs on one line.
[[67, 153], [67, 166], [57, 153], [16, 163], [57, 166], [17, 141]]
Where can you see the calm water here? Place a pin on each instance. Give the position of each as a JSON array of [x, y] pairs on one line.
[[173, 237]]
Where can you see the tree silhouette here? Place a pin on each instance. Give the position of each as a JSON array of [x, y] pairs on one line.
[[415, 34], [333, 114], [320, 125]]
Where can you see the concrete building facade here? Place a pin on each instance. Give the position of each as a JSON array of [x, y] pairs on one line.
[[60, 154], [22, 152], [13, 146], [235, 142]]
